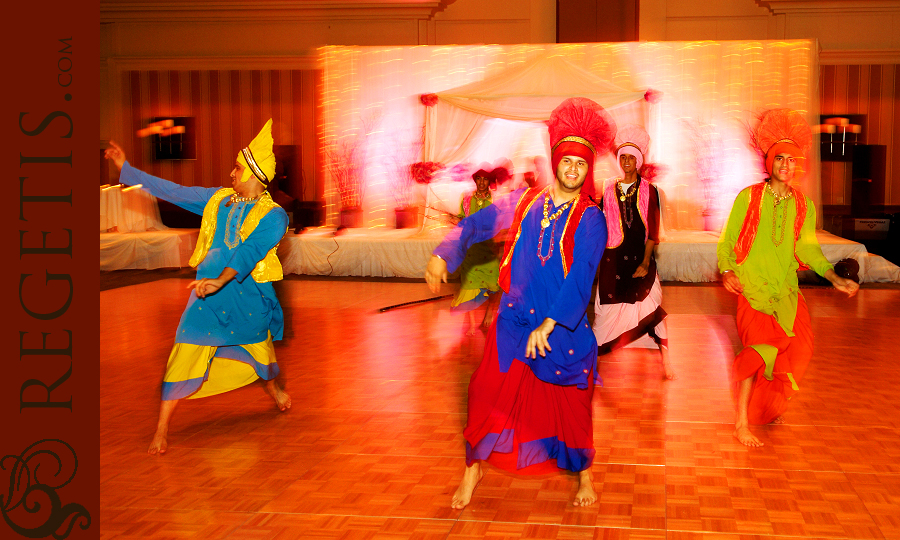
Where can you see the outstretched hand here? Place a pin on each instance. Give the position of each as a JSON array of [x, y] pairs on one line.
[[435, 273], [847, 286], [539, 339], [116, 154]]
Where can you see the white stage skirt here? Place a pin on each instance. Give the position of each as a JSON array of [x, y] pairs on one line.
[[149, 250], [687, 256]]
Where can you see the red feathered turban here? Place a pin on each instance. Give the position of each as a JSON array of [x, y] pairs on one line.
[[580, 127]]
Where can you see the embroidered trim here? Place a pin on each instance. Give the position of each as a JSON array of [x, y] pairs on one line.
[[248, 155], [573, 138]]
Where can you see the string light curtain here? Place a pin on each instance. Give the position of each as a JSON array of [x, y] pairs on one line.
[[710, 93]]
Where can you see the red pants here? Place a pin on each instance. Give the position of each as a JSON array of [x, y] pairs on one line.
[[522, 424], [769, 398]]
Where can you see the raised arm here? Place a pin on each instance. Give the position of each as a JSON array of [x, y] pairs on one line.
[[192, 199]]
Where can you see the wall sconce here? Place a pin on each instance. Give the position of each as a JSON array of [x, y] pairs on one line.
[[842, 135], [172, 137]]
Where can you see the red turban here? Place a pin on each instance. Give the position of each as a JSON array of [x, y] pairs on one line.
[[580, 127]]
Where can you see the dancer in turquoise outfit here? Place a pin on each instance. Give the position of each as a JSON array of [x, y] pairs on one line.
[[224, 339]]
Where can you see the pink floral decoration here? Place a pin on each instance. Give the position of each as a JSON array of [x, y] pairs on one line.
[[653, 96], [423, 172], [429, 100], [461, 172]]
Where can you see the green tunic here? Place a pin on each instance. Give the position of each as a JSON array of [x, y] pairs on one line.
[[769, 273], [479, 272]]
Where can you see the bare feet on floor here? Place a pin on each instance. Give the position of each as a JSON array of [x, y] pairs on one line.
[[472, 331], [159, 444], [779, 420], [282, 399], [742, 433], [670, 373], [467, 486], [586, 495], [667, 367]]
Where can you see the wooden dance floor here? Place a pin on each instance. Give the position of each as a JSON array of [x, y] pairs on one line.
[[372, 447]]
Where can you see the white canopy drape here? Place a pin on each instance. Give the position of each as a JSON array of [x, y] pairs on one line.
[[526, 93]]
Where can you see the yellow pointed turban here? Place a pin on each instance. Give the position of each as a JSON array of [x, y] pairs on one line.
[[258, 158]]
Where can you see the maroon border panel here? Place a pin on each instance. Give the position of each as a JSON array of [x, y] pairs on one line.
[[49, 392]]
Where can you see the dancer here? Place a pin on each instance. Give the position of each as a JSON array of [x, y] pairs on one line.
[[627, 307], [480, 270], [529, 406], [224, 339], [770, 233]]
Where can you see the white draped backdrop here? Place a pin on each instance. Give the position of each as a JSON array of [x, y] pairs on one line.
[[492, 101]]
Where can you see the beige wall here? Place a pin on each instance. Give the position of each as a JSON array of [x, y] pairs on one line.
[[870, 25], [197, 35]]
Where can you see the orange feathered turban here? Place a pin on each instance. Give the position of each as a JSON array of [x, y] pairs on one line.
[[782, 131]]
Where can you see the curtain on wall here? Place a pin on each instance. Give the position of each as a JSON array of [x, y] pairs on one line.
[[711, 92]]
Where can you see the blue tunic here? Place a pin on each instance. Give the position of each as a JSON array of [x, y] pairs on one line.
[[243, 311], [538, 289]]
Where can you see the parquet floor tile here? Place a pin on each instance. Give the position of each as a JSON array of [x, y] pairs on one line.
[[372, 447]]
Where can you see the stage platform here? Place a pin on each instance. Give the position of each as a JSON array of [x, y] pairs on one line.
[[685, 256], [170, 248]]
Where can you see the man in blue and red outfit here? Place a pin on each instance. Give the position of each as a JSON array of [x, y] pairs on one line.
[[530, 398]]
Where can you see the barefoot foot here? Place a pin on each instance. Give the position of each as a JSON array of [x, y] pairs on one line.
[[282, 399], [467, 486], [667, 367], [779, 420], [669, 372], [472, 331], [586, 495], [743, 434], [159, 444]]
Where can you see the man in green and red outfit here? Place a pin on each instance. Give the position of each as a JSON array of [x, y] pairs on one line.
[[770, 234]]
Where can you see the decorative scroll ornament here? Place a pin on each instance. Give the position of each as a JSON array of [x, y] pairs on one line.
[[34, 477]]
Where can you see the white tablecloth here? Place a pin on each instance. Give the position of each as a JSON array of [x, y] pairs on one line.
[[359, 252], [128, 210], [148, 250]]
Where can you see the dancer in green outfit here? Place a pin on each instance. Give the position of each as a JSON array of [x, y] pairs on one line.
[[480, 270]]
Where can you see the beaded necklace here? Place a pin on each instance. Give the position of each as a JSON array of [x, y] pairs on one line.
[[784, 213], [624, 199], [546, 223], [234, 227], [481, 201]]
